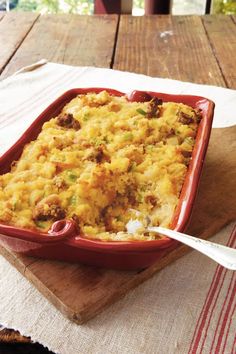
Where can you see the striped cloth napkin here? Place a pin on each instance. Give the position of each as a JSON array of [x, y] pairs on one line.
[[188, 307]]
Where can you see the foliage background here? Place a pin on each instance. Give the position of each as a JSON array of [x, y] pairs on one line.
[[63, 6], [57, 6], [86, 6], [224, 7]]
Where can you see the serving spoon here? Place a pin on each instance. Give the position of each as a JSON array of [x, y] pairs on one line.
[[223, 255]]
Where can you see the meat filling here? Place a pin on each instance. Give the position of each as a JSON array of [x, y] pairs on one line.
[[49, 209], [153, 109], [68, 121], [185, 118]]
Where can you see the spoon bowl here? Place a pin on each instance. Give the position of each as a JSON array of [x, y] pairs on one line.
[[223, 255]]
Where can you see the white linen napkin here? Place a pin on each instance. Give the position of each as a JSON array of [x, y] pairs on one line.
[[160, 316], [25, 95]]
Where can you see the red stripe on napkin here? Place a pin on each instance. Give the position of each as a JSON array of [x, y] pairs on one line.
[[204, 320], [209, 308], [234, 346], [209, 298], [230, 317], [225, 316]]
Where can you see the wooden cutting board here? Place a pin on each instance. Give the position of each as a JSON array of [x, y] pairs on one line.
[[81, 292]]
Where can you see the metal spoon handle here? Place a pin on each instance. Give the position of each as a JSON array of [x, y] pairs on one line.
[[223, 255]]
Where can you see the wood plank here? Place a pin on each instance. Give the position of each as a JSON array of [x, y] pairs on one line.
[[17, 260], [11, 336], [86, 291], [12, 341], [69, 39], [1, 15], [175, 47], [221, 31], [14, 27]]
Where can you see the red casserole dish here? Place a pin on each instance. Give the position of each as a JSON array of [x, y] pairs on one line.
[[63, 241]]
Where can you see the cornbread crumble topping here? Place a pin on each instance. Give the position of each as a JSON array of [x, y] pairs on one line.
[[99, 161]]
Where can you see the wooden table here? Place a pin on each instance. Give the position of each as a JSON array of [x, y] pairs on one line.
[[189, 48], [201, 49]]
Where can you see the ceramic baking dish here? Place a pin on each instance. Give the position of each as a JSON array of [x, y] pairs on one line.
[[63, 242]]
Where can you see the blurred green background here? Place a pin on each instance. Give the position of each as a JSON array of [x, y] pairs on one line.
[[224, 7], [86, 6]]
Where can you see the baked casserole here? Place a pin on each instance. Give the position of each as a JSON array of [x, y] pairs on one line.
[[101, 161]]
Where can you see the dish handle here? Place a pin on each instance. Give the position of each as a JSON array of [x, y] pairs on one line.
[[138, 96], [60, 231]]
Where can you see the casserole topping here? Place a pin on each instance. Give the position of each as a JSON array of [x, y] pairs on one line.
[[101, 160]]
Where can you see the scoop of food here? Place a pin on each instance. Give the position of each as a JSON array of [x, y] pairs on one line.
[[223, 255]]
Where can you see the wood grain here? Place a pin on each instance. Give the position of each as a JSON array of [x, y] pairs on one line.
[[1, 15], [68, 39], [167, 46], [221, 31], [215, 205], [13, 30], [12, 342], [11, 336], [86, 291]]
